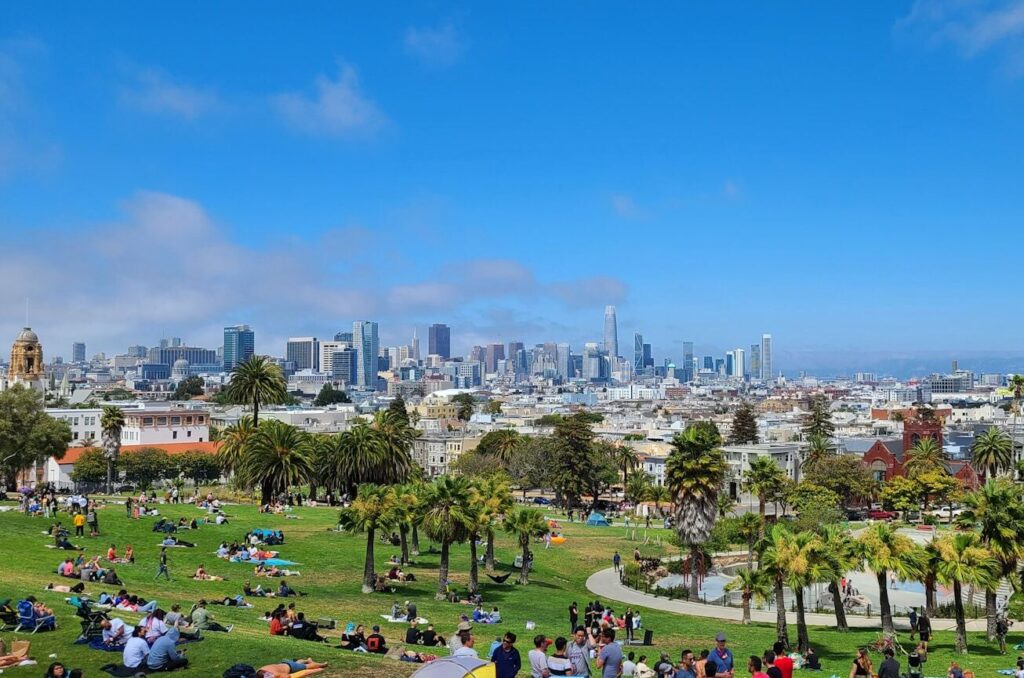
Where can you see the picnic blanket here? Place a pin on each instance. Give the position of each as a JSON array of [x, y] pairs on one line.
[[402, 620], [277, 562], [173, 546]]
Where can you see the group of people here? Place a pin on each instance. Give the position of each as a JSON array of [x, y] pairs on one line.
[[89, 570], [287, 621], [597, 616]]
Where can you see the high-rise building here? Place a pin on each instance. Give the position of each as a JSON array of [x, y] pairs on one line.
[[345, 337], [729, 358], [304, 352], [709, 363], [327, 350], [78, 352], [439, 340], [367, 344], [137, 351], [495, 352], [477, 354], [739, 366], [176, 342], [766, 358], [594, 362], [414, 347], [344, 363], [687, 361], [754, 364], [563, 362], [638, 353], [648, 357], [239, 345], [611, 332]]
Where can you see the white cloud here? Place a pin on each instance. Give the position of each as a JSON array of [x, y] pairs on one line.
[[439, 46], [154, 91], [338, 108], [972, 27]]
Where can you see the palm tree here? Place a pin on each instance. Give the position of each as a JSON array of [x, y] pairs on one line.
[[694, 474], [625, 458], [111, 421], [751, 527], [1016, 385], [496, 497], [659, 494], [407, 503], [897, 416], [502, 445], [996, 511], [323, 466], [924, 456], [257, 381], [638, 487], [725, 504], [396, 445], [764, 479], [964, 561], [526, 524], [374, 508], [992, 452], [448, 519], [234, 444], [842, 555], [773, 563], [360, 455], [818, 448], [804, 563], [929, 558], [278, 456], [887, 551], [752, 584]]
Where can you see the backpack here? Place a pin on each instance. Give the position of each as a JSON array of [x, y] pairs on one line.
[[240, 671]]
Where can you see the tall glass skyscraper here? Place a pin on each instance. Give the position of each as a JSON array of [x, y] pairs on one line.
[[78, 352], [687, 361], [239, 345], [638, 353], [439, 340], [367, 345], [766, 357], [611, 332]]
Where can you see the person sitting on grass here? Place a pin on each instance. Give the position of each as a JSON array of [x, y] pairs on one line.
[[202, 575], [174, 541], [278, 623], [136, 649], [303, 630], [174, 619], [257, 592], [375, 642], [116, 632], [354, 638], [287, 667], [413, 636], [283, 590], [202, 620], [164, 655], [430, 637]]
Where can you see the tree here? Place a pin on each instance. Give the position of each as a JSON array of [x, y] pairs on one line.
[[887, 551], [501, 445], [465, 405], [940, 486], [198, 466], [531, 463], [659, 494], [359, 454], [992, 452], [773, 563], [447, 518], [571, 467], [111, 422], [234, 444], [819, 448], [694, 473], [1016, 385], [277, 457], [752, 584], [901, 494], [255, 382], [27, 434], [638, 487], [526, 524], [842, 555], [146, 466], [818, 421], [997, 512], [91, 467], [373, 509], [815, 505], [624, 457], [496, 500], [744, 425], [764, 479], [751, 527], [407, 506], [493, 407], [398, 409], [474, 464], [964, 561], [845, 475], [800, 556], [188, 387], [924, 456], [331, 396], [396, 438], [603, 472]]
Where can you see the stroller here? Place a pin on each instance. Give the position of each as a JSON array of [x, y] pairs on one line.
[[8, 616], [89, 618]]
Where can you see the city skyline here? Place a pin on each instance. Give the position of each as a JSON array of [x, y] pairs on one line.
[[702, 176]]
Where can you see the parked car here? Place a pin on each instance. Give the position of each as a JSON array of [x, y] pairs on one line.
[[945, 512], [856, 514], [542, 501], [879, 514]]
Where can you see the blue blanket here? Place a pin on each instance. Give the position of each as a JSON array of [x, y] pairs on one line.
[[269, 561]]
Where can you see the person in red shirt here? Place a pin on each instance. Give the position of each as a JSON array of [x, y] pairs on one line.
[[276, 626], [782, 662]]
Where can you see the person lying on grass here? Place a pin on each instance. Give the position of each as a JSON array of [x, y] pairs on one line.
[[202, 575], [287, 667]]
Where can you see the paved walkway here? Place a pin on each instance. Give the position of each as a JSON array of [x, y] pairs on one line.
[[606, 585]]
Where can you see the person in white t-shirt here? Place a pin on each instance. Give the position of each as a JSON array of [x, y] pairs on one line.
[[468, 641], [538, 658], [136, 650]]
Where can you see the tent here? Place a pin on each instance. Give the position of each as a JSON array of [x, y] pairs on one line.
[[456, 667], [598, 519]]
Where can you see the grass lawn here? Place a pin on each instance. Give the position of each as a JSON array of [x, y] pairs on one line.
[[331, 566]]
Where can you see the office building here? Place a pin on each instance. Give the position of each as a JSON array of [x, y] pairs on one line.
[[176, 342], [304, 352], [327, 351], [739, 367], [754, 363], [345, 337], [439, 340], [729, 364], [78, 352], [414, 347], [477, 354], [494, 353], [709, 363], [367, 344], [766, 358], [137, 351], [687, 361], [638, 353], [648, 357], [239, 345], [191, 354], [564, 362], [344, 363], [611, 332]]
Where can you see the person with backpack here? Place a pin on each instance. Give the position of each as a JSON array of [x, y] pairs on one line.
[[1002, 628]]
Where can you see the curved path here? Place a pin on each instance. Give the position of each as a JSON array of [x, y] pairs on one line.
[[606, 585]]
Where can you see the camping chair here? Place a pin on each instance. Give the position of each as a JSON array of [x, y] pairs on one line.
[[90, 618], [500, 579], [28, 619], [8, 616]]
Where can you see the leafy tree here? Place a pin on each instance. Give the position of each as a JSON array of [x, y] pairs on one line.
[[548, 420], [373, 509], [744, 425], [694, 473], [198, 466], [924, 456], [255, 382], [938, 485], [111, 422], [526, 524], [398, 409], [817, 506], [752, 585], [277, 456], [479, 465], [465, 404], [638, 487], [234, 443], [992, 452], [964, 561], [603, 472], [501, 445], [188, 387], [886, 551], [331, 396], [448, 518], [493, 407], [902, 494], [634, 437], [146, 466], [91, 467], [118, 394], [27, 434], [570, 466], [845, 475], [589, 417], [531, 465], [818, 421]]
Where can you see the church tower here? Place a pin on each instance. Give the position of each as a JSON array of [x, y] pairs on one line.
[[27, 361]]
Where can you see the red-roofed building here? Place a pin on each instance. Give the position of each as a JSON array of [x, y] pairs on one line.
[[59, 472]]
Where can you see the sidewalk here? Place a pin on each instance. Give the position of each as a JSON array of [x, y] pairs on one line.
[[605, 584]]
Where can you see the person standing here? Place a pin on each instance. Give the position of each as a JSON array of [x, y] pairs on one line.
[[686, 665], [754, 667], [924, 627], [507, 661], [163, 565], [1002, 628], [913, 622], [721, 657], [784, 663], [538, 658], [94, 522], [770, 669], [617, 561], [579, 652], [609, 659], [79, 522], [574, 617], [629, 624]]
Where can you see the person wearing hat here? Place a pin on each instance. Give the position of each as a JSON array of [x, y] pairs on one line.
[[722, 658], [455, 642]]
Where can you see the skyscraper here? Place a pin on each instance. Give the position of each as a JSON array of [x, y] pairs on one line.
[[367, 346], [78, 352], [687, 361], [344, 336], [766, 357], [495, 352], [611, 332], [729, 364], [414, 347], [739, 366], [638, 353], [239, 345], [563, 362], [754, 364], [648, 357], [709, 363], [439, 340], [304, 352]]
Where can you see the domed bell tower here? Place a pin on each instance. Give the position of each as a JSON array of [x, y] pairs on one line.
[[27, 361]]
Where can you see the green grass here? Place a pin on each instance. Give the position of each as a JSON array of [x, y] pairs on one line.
[[331, 566]]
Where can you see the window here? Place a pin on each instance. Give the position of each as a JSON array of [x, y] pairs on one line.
[[174, 435], [188, 420], [161, 421], [147, 421], [175, 421], [188, 434]]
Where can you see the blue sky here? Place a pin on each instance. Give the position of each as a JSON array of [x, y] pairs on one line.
[[846, 178]]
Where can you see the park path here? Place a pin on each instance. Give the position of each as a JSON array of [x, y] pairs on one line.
[[606, 585]]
